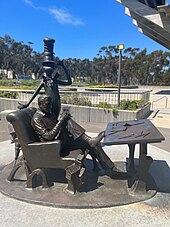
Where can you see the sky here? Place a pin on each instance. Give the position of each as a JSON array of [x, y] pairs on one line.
[[80, 27]]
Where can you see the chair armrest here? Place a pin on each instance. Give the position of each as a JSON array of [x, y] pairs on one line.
[[45, 148], [42, 154]]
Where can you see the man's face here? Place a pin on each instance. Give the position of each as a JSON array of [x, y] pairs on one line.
[[45, 105]]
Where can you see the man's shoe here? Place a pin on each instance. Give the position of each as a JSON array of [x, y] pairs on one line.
[[115, 172], [93, 141], [115, 169]]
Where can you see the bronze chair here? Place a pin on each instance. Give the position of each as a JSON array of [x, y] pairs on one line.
[[38, 156]]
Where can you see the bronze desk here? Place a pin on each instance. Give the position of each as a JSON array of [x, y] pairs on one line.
[[134, 132]]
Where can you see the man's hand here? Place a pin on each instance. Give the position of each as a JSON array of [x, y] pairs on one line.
[[64, 116]]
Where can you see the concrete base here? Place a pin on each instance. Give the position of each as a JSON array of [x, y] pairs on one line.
[[99, 191]]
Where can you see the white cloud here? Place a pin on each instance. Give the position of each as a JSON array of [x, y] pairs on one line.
[[61, 15], [64, 17], [29, 3]]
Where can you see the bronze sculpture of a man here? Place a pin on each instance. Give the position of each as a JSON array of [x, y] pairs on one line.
[[72, 135]]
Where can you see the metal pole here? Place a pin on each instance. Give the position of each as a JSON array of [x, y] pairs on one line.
[[119, 78]]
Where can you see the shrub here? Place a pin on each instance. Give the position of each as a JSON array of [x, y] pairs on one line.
[[103, 86], [8, 94], [104, 105], [75, 99], [131, 105], [124, 105]]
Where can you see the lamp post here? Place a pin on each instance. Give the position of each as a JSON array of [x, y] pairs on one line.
[[120, 48]]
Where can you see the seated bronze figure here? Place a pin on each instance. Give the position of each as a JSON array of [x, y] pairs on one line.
[[39, 155], [72, 135], [49, 143]]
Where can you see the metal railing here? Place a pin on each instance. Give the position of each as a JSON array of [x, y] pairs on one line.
[[111, 97], [166, 101], [93, 96]]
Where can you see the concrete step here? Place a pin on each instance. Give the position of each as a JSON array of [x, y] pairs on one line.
[[153, 114]]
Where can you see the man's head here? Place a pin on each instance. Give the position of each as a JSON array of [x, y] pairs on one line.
[[44, 103]]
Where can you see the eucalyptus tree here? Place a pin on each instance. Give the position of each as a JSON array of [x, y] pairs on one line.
[[73, 66], [139, 67], [22, 58], [86, 69], [128, 69], [5, 52], [158, 65], [36, 63], [166, 68], [106, 64]]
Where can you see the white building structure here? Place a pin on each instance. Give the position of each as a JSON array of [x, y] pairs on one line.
[[152, 17]]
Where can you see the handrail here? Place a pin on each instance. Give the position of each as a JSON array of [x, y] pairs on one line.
[[166, 102], [70, 91]]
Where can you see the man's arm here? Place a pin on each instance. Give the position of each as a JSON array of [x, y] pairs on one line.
[[62, 82], [43, 131]]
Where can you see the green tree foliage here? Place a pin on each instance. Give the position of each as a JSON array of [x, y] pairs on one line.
[[18, 57], [138, 67]]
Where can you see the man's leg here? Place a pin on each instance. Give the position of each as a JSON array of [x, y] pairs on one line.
[[104, 160], [77, 131]]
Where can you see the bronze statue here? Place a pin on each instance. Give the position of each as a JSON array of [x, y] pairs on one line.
[[50, 78], [72, 135]]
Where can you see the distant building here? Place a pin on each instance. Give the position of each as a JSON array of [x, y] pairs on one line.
[[8, 74], [24, 77]]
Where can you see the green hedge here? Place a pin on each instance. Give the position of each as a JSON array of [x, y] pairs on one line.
[[19, 83], [131, 105], [124, 105], [103, 86], [8, 94]]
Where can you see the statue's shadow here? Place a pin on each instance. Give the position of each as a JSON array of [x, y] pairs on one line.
[[92, 181], [160, 171], [158, 176]]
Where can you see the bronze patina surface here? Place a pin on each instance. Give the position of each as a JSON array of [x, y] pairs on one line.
[[100, 190], [131, 133]]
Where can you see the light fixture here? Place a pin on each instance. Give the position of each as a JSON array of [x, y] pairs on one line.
[[120, 46]]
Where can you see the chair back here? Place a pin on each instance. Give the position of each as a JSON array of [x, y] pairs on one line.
[[21, 121]]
